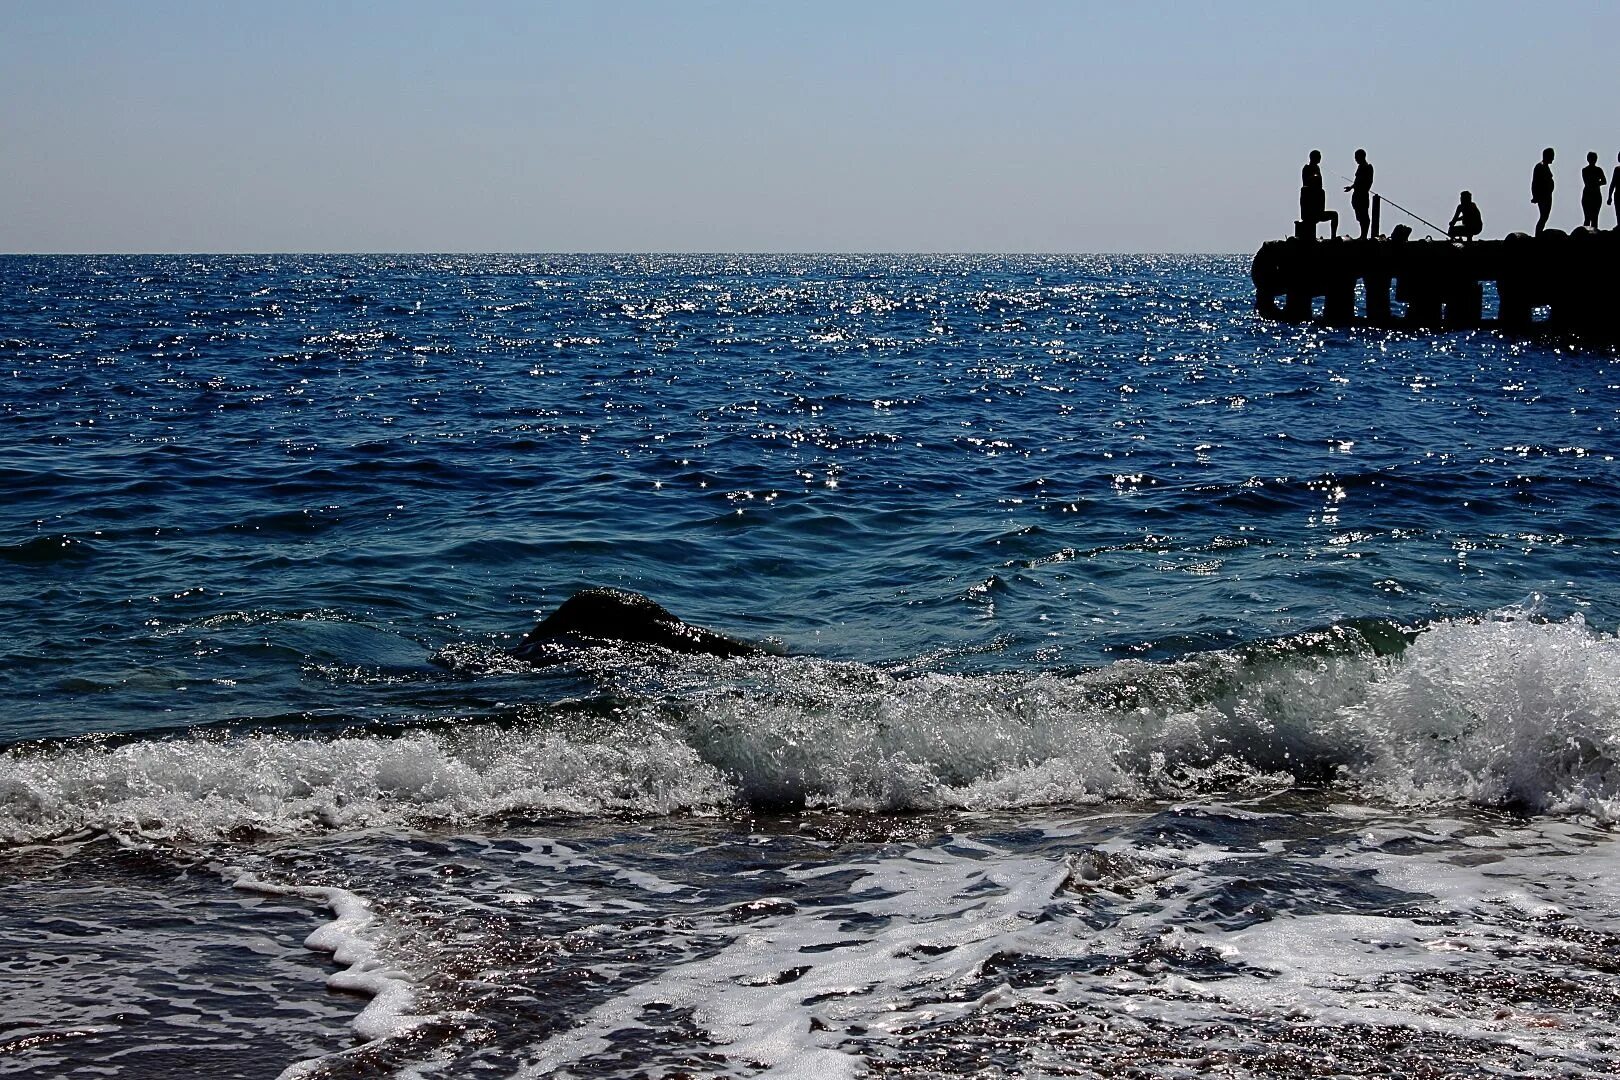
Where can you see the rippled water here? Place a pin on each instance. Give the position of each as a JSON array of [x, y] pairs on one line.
[[1165, 689]]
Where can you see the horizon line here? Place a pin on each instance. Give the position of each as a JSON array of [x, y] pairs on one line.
[[601, 252]]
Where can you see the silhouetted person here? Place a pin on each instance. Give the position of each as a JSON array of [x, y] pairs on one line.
[[1312, 197], [1361, 192], [1541, 188], [1466, 222], [1614, 182], [1591, 191]]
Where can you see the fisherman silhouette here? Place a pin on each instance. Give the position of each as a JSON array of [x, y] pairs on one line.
[[1313, 199], [1361, 189], [1541, 188], [1466, 222], [1614, 182], [1591, 191]]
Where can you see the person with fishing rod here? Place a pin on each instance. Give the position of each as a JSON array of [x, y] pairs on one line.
[[1361, 192], [1466, 223], [1384, 198]]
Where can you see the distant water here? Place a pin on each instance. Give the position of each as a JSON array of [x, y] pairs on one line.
[[1166, 691]]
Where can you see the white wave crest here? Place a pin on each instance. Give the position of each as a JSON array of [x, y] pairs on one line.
[[207, 788], [1508, 711], [1503, 711]]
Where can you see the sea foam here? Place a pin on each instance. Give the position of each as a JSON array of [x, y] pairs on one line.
[[1507, 711], [355, 937]]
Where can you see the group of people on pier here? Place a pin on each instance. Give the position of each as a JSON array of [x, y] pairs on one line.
[[1466, 222], [1313, 196], [1541, 190]]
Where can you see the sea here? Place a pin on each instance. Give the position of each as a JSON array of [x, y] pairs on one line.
[[1149, 690]]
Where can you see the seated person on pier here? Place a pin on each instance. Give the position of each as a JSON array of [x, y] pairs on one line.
[[1313, 199], [1466, 222]]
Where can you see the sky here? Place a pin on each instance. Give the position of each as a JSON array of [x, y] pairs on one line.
[[757, 125]]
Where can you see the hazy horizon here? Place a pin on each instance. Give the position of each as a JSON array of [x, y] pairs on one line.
[[732, 128]]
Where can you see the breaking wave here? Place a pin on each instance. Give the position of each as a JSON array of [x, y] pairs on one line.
[[1508, 711]]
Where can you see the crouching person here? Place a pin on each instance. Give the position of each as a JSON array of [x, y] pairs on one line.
[[1466, 222]]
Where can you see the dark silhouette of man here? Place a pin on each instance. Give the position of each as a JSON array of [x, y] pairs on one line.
[[1614, 182], [1591, 191], [1541, 188], [1313, 198], [1466, 222], [1361, 192]]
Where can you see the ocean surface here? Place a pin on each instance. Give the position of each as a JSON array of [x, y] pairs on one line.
[[1161, 692]]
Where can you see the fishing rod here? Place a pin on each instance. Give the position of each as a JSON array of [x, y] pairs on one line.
[[1401, 208], [1438, 230]]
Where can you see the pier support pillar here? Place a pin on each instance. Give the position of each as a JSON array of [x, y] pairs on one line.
[[1465, 304], [1519, 279], [1513, 308], [1377, 299], [1297, 308], [1423, 307], [1339, 308]]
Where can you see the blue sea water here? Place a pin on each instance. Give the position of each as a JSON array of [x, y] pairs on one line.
[[1135, 651]]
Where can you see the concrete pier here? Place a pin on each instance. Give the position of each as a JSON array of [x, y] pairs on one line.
[[1556, 282]]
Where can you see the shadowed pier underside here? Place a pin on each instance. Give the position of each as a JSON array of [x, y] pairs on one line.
[[1555, 282]]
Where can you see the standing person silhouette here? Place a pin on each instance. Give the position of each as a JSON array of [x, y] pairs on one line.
[[1614, 182], [1541, 188], [1361, 191], [1591, 191], [1313, 198]]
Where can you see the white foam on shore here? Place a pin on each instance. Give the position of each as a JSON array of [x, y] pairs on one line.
[[1484, 930], [355, 939], [1506, 711], [916, 949], [780, 995]]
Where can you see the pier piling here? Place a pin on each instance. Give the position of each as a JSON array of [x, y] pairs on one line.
[[1554, 282]]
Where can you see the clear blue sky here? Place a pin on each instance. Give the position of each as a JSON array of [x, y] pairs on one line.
[[752, 125]]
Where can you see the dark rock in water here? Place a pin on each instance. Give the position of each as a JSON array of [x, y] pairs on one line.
[[617, 616]]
